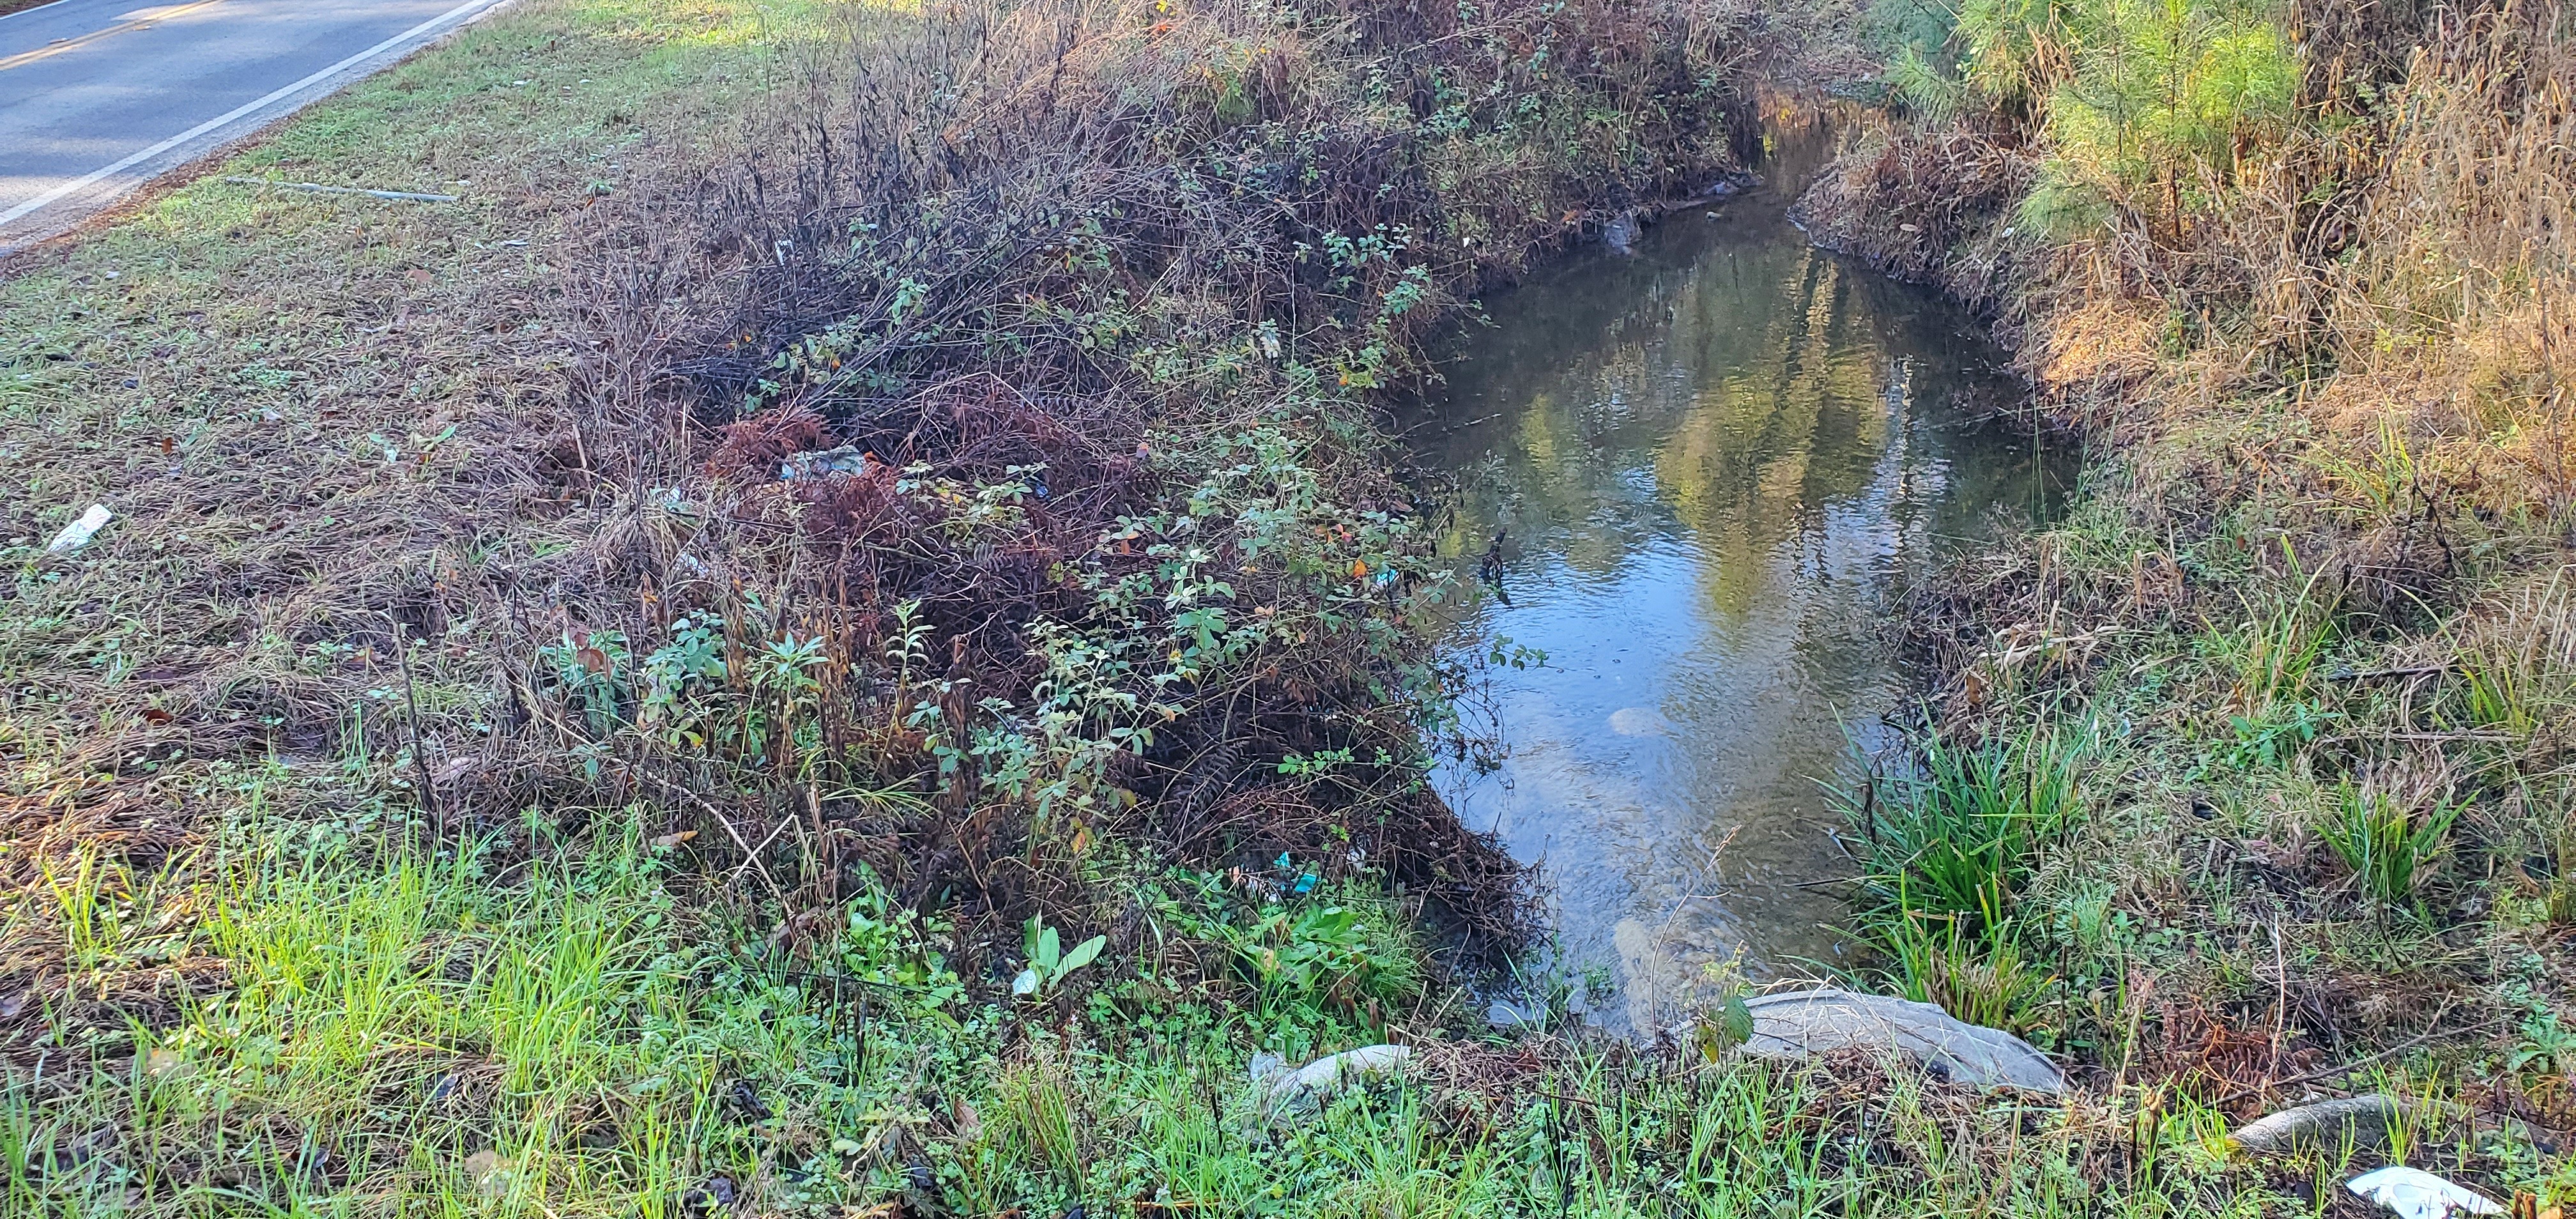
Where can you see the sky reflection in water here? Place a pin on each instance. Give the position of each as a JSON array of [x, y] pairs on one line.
[[1717, 463]]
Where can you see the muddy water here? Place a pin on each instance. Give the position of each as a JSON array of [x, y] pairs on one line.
[[1715, 462]]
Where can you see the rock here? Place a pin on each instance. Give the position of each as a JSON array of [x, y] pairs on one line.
[[714, 1195], [1640, 721], [1303, 1091], [488, 1172], [1795, 1024], [2363, 1123], [1732, 184], [1621, 233], [1509, 1016], [2416, 1194]]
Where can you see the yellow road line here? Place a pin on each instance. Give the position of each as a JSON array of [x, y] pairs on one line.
[[27, 57]]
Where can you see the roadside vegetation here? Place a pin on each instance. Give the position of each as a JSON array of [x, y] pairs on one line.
[[836, 637], [2250, 777]]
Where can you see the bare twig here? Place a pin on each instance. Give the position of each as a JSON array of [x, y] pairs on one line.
[[419, 748], [751, 857], [2358, 1063]]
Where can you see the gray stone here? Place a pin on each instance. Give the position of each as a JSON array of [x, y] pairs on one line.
[[1798, 1023], [1621, 233], [2361, 1121], [2365, 1124]]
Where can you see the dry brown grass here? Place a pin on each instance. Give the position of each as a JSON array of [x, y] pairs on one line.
[[2319, 565]]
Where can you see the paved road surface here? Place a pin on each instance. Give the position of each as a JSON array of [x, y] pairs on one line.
[[98, 97]]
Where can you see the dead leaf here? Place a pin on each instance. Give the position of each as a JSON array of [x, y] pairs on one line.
[[156, 716], [668, 841], [418, 275]]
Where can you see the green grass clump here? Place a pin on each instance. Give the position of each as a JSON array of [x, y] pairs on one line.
[[464, 1032], [1957, 838], [1951, 852], [2390, 848]]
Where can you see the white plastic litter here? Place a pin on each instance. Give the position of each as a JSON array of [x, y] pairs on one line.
[[847, 459], [79, 532], [1301, 1092], [2416, 1194]]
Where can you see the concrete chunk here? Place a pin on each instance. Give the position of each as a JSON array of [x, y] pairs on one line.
[[1799, 1023]]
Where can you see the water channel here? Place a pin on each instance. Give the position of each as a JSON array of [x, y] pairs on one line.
[[1715, 461]]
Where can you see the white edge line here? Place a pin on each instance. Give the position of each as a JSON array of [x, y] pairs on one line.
[[30, 8], [450, 17]]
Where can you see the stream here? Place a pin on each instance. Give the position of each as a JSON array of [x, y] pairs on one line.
[[1715, 462]]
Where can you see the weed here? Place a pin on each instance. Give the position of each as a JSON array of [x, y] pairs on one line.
[[2390, 849], [1957, 838], [2546, 1044], [1981, 979], [1048, 963], [2276, 738]]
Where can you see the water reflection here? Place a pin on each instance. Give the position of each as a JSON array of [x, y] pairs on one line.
[[1715, 464]]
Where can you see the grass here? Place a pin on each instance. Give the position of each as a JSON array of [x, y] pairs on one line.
[[2389, 848], [569, 1035], [293, 402], [1951, 853], [1958, 838], [2319, 560], [460, 783], [416, 1035], [405, 1032]]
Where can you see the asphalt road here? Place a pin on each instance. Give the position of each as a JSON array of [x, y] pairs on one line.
[[98, 97]]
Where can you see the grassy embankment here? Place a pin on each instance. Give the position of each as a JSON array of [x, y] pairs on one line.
[[465, 780], [2252, 778]]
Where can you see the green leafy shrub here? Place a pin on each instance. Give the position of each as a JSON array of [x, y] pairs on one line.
[[2151, 107]]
